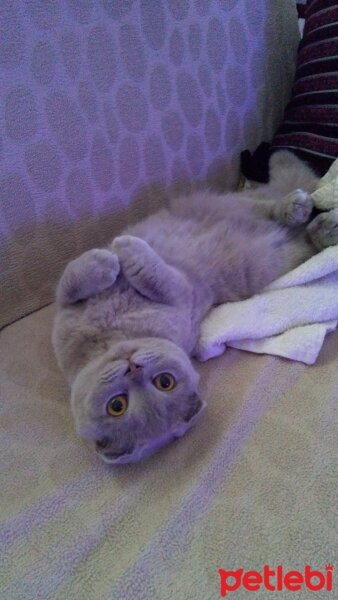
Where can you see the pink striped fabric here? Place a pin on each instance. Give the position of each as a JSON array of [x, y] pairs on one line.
[[310, 126], [301, 5]]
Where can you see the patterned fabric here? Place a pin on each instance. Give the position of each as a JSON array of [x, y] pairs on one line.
[[301, 8], [107, 103], [310, 124], [253, 484]]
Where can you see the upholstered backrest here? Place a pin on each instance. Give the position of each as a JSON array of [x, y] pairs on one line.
[[107, 103]]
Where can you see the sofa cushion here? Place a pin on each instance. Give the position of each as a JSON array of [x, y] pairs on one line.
[[253, 484], [106, 104]]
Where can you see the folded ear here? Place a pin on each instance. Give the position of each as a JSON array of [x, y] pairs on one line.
[[195, 409], [195, 406]]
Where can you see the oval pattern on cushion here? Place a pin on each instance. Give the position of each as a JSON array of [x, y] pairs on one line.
[[195, 40], [16, 202], [43, 62], [153, 23], [160, 87], [132, 107], [154, 158], [101, 57], [177, 46], [67, 124], [79, 192], [44, 165], [238, 40], [102, 99], [212, 129], [129, 162], [81, 10], [117, 9], [132, 51], [88, 100], [21, 116], [102, 162], [216, 44], [205, 79], [179, 9], [189, 97], [12, 36], [45, 14], [173, 129], [195, 154], [71, 53]]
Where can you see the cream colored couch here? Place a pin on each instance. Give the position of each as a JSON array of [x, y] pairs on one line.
[[106, 106]]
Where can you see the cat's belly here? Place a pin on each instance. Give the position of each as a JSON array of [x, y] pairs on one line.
[[228, 259], [123, 312], [156, 321]]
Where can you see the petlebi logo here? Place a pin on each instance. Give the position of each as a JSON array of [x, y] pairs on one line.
[[276, 580]]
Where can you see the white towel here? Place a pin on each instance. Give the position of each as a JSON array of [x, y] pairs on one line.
[[292, 316]]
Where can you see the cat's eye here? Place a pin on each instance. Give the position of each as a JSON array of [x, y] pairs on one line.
[[164, 382], [117, 406]]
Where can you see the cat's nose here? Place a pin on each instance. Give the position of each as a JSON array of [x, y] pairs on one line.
[[133, 368]]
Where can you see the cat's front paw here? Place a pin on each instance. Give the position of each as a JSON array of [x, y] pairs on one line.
[[127, 241], [91, 273], [323, 230], [135, 256], [295, 209], [129, 247], [103, 266]]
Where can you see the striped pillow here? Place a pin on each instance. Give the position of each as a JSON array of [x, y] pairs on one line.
[[301, 6], [310, 126]]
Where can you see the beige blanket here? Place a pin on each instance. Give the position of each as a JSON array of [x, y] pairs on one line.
[[253, 484]]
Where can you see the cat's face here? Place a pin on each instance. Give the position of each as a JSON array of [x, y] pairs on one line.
[[138, 396]]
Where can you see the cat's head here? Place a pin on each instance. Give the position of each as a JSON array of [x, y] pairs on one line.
[[136, 397]]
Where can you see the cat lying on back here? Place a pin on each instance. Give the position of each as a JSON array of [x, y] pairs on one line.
[[129, 314]]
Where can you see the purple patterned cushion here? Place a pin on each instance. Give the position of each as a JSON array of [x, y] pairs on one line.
[[106, 104]]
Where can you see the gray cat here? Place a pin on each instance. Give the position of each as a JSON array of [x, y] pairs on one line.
[[129, 314]]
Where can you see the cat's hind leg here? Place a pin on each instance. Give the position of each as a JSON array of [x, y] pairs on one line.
[[91, 273], [294, 209], [148, 273]]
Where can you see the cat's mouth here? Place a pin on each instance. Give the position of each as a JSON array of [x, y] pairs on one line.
[[138, 453], [108, 455], [112, 457]]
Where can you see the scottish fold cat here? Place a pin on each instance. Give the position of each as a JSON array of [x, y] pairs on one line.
[[128, 315]]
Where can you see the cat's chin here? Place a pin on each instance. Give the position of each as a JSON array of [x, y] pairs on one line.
[[145, 450]]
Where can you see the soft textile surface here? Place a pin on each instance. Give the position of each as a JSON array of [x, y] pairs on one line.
[[292, 316], [105, 103], [309, 125], [325, 197], [289, 318], [254, 483]]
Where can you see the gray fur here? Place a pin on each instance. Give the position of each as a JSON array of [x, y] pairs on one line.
[[141, 300]]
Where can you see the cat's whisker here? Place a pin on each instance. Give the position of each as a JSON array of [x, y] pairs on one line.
[[142, 359], [113, 373]]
